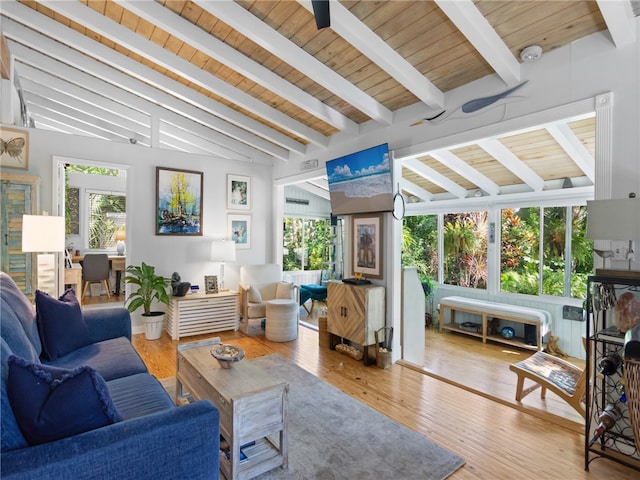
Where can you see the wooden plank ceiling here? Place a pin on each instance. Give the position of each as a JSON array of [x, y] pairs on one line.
[[257, 81]]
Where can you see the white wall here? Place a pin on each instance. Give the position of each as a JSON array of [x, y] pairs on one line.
[[186, 255]]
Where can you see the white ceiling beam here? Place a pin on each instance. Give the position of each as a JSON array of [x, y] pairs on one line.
[[506, 157], [429, 173], [44, 77], [253, 28], [135, 130], [126, 89], [110, 65], [86, 84], [415, 190], [97, 123], [150, 51], [46, 123], [620, 20], [574, 148], [314, 190], [463, 169], [475, 27], [54, 114], [361, 37], [203, 144], [196, 37]]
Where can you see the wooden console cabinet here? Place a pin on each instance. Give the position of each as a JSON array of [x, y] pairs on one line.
[[354, 313], [202, 313]]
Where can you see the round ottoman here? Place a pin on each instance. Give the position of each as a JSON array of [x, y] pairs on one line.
[[282, 320]]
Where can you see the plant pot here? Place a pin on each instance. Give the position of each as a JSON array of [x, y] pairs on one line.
[[153, 324]]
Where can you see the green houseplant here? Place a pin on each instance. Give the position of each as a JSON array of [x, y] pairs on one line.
[[150, 287]]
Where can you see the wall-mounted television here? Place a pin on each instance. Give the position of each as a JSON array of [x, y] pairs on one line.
[[361, 182]]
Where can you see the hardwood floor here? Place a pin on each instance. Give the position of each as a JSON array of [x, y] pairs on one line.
[[496, 440]]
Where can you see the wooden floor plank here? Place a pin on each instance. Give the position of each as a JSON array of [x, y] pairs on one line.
[[496, 440]]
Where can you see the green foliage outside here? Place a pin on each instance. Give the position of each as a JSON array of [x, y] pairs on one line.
[[420, 245], [520, 251], [306, 240], [102, 228], [465, 249]]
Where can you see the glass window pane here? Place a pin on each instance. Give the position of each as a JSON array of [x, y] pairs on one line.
[[554, 238], [581, 253], [420, 244], [519, 250], [107, 213], [465, 249]]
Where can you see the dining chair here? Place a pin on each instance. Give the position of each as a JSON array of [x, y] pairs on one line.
[[95, 269]]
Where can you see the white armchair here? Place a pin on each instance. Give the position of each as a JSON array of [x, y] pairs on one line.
[[259, 284]]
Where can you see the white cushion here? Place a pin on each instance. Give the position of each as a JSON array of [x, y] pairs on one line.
[[253, 295], [284, 290]]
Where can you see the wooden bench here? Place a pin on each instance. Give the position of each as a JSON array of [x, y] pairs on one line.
[[541, 319]]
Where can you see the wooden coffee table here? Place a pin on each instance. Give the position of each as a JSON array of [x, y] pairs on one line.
[[252, 405]]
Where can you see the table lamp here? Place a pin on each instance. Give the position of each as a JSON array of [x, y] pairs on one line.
[[121, 236], [44, 234], [617, 219], [223, 251]]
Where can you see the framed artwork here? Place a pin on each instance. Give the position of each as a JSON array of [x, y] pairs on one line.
[[211, 284], [178, 202], [238, 192], [367, 245], [240, 230], [73, 210], [14, 148]]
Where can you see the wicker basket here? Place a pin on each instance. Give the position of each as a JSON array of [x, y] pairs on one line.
[[632, 390]]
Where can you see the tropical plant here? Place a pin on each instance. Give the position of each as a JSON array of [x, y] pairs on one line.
[[150, 287]]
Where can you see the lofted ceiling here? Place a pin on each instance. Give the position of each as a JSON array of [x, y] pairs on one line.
[[257, 81]]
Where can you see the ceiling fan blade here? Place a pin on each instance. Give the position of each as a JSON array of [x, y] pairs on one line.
[[321, 12]]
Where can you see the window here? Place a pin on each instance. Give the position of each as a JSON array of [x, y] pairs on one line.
[[560, 242], [107, 214], [420, 245], [306, 243], [465, 249]]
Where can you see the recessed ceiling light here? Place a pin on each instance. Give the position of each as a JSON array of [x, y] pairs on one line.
[[531, 53]]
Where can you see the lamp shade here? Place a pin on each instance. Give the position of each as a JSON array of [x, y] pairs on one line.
[[617, 219], [121, 235], [42, 233], [223, 251]]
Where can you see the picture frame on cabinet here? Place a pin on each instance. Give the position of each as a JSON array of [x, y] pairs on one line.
[[240, 230], [238, 192], [211, 284], [367, 245]]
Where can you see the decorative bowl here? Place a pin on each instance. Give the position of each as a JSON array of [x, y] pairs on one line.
[[226, 354]]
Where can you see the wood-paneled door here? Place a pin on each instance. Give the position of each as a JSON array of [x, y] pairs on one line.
[[19, 196]]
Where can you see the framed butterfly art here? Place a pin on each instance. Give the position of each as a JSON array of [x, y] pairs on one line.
[[14, 148]]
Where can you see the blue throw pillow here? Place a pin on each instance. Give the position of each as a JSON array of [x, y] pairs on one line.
[[60, 323], [51, 403]]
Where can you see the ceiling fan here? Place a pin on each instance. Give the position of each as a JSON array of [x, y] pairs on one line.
[[321, 13]]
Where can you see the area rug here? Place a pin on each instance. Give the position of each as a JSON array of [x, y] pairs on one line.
[[334, 436]]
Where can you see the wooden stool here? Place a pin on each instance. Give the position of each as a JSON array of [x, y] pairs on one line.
[[548, 372]]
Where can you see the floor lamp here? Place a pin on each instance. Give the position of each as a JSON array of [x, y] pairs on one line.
[[44, 235], [617, 219], [223, 251]]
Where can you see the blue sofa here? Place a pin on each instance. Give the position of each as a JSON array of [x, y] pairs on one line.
[[154, 439]]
